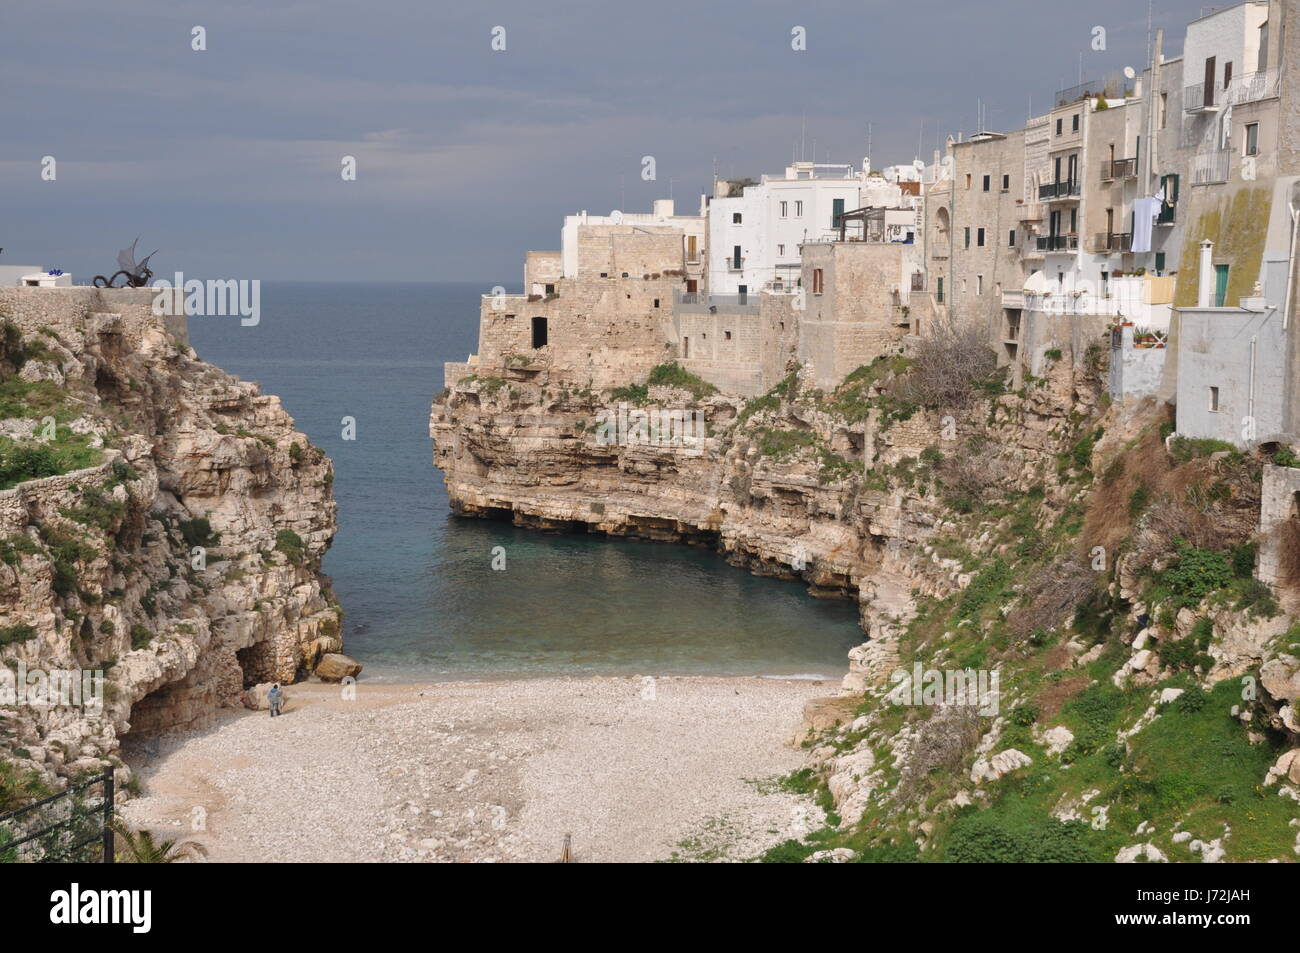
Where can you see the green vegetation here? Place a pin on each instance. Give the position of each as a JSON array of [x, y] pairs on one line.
[[198, 532], [14, 634], [31, 460], [673, 374], [1185, 448], [291, 544], [141, 637]]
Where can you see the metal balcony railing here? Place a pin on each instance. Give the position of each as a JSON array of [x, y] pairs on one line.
[[1058, 190], [735, 264], [1118, 169], [1058, 242], [1211, 168], [1198, 97], [1252, 87]]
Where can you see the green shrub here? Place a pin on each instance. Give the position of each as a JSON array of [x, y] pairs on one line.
[[1196, 574], [13, 634], [985, 838], [673, 374], [291, 544], [140, 636], [198, 532]]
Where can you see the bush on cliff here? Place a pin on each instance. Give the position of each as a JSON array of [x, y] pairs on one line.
[[673, 374], [291, 544]]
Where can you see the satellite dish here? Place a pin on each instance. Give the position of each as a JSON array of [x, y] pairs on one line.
[[1129, 72]]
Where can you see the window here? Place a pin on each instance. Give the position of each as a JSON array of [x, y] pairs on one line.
[[837, 211], [1160, 263], [727, 335], [979, 284], [938, 289], [1059, 126], [798, 209], [735, 257], [656, 302], [967, 236], [1164, 110], [1220, 285], [1011, 238], [987, 182], [780, 250], [1074, 123], [1252, 139], [1227, 74], [735, 218], [817, 281], [1006, 183], [539, 332], [979, 237], [785, 208], [1214, 399], [686, 348], [968, 178]]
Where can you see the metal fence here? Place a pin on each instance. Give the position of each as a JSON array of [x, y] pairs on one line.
[[73, 826]]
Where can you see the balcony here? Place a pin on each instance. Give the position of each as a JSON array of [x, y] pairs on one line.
[[1252, 87], [1029, 212], [1199, 98], [735, 264], [1113, 169], [1058, 191], [1057, 243], [1112, 242], [1211, 168]]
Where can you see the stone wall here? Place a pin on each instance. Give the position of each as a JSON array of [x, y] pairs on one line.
[[1279, 504]]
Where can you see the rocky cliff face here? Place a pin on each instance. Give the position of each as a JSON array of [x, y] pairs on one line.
[[797, 484], [1133, 685], [181, 558]]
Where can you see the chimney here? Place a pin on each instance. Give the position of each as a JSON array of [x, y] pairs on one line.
[[1205, 286]]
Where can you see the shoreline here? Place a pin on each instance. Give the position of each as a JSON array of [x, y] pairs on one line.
[[635, 769]]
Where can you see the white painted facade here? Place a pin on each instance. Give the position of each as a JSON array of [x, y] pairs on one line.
[[754, 238], [775, 217], [1233, 38]]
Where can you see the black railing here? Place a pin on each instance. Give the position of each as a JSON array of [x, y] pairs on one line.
[[1057, 190], [73, 826], [1058, 242]]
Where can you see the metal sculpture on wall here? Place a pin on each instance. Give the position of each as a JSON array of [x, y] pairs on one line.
[[133, 274]]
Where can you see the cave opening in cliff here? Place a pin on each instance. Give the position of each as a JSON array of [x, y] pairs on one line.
[[256, 663]]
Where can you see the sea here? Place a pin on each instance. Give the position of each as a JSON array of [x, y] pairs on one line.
[[417, 583]]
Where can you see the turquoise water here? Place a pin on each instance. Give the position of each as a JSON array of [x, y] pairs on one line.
[[421, 598]]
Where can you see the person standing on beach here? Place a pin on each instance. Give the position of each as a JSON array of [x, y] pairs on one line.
[[275, 697]]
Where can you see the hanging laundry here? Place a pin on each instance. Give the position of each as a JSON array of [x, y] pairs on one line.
[[1145, 211]]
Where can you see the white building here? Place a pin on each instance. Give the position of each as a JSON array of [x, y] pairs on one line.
[[755, 229], [33, 276]]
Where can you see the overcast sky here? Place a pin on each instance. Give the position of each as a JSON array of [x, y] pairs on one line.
[[229, 159]]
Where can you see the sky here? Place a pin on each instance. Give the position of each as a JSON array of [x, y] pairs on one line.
[[229, 159]]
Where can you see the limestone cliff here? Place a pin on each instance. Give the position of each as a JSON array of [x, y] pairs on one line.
[[176, 545], [1095, 571]]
